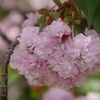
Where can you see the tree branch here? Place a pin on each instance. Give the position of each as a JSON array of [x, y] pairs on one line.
[[5, 38], [4, 80]]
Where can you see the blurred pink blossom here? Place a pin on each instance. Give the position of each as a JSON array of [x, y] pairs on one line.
[[26, 5], [32, 19], [58, 94], [8, 4], [90, 96], [91, 32], [38, 4], [11, 25], [11, 5]]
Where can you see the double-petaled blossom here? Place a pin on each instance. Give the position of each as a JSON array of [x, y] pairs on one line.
[[53, 58]]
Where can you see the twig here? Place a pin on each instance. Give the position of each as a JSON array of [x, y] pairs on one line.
[[5, 38], [4, 80]]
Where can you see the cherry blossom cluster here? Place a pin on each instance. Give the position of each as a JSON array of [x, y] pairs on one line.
[[54, 58]]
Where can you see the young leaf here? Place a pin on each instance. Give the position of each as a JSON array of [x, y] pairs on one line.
[[42, 22], [68, 10], [57, 2], [75, 25], [44, 11], [55, 15]]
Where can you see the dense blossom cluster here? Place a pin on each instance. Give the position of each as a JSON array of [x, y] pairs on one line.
[[53, 58]]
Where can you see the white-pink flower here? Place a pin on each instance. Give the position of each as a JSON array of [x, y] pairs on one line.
[[53, 58], [58, 28], [58, 94], [10, 25], [84, 50], [32, 19], [38, 4], [8, 6], [90, 96]]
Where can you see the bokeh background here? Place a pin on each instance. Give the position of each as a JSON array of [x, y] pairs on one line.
[[12, 14]]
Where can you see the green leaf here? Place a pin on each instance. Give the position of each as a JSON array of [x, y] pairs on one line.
[[55, 15], [96, 22], [40, 20], [81, 4], [68, 10], [69, 18], [44, 11], [57, 2], [89, 7], [75, 25]]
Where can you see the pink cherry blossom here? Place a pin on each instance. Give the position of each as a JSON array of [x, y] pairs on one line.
[[45, 59], [58, 28], [91, 32], [58, 94], [10, 25], [38, 4], [90, 96], [84, 50], [8, 6], [32, 19]]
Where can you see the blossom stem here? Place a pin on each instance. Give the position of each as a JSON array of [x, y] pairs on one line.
[[42, 24], [53, 8], [51, 17]]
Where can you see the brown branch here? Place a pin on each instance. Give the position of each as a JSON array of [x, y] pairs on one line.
[[4, 80], [5, 38]]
